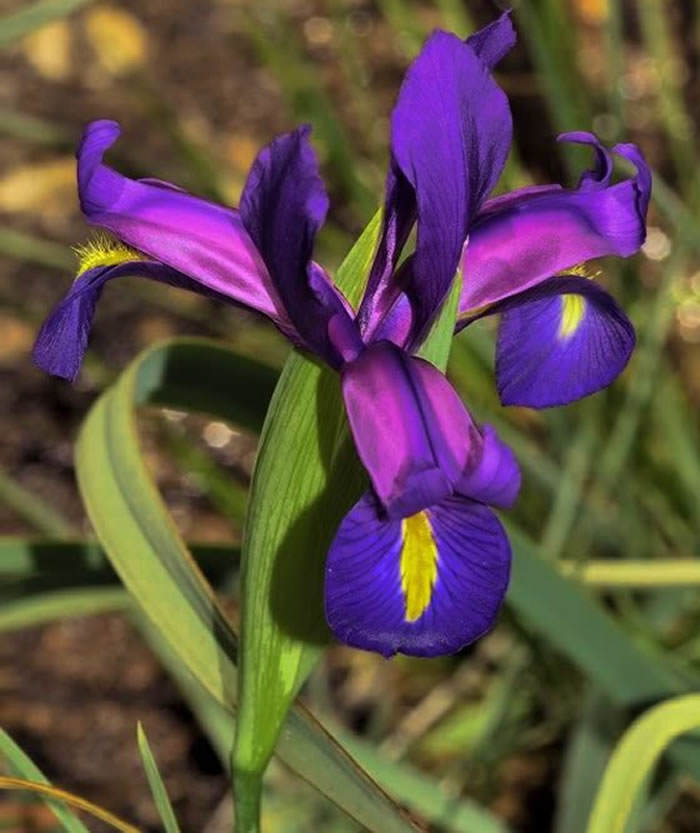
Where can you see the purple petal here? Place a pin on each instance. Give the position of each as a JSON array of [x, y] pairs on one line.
[[560, 341], [600, 174], [494, 41], [411, 430], [283, 205], [383, 286], [530, 235], [63, 337], [495, 479], [205, 241], [426, 585], [397, 322], [451, 130]]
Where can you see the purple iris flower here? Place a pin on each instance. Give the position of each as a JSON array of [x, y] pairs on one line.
[[421, 563]]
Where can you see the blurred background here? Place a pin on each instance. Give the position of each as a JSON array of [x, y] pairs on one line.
[[513, 723]]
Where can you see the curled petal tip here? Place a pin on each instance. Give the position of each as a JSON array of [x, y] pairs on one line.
[[642, 180], [601, 174], [97, 137], [524, 238]]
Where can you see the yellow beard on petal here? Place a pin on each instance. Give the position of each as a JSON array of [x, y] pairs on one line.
[[419, 557], [581, 270], [103, 251], [573, 310]]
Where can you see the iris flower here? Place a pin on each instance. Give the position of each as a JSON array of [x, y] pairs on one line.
[[420, 564]]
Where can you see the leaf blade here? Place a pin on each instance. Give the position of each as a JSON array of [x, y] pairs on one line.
[[22, 765], [144, 547], [634, 758], [155, 782]]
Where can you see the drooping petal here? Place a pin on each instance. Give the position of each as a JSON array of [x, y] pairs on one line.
[[203, 240], [411, 430], [283, 205], [495, 478], [494, 41], [560, 341], [530, 235], [425, 585], [63, 337], [450, 134]]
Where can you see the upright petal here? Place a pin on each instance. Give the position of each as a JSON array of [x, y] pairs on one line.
[[450, 134], [198, 238], [383, 286], [63, 337], [412, 432], [560, 341], [283, 205], [425, 585], [494, 41], [528, 236]]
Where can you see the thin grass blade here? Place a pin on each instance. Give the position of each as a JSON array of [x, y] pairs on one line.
[[634, 758], [22, 765], [155, 782]]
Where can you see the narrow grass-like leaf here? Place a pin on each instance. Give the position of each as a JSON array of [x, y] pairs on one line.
[[437, 346], [55, 795], [419, 791], [424, 794], [32, 129], [155, 782], [30, 17], [22, 765], [32, 249], [75, 563], [306, 477], [578, 627], [664, 572], [29, 611], [32, 509], [634, 758], [586, 755], [152, 560]]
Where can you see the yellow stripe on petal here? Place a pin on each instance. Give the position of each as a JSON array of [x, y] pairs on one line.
[[103, 251], [419, 557], [573, 310]]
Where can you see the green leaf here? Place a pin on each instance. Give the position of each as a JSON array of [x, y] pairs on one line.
[[32, 509], [634, 758], [436, 347], [155, 782], [421, 792], [574, 623], [20, 23], [306, 478], [28, 611], [22, 765], [588, 749], [146, 550], [72, 563]]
